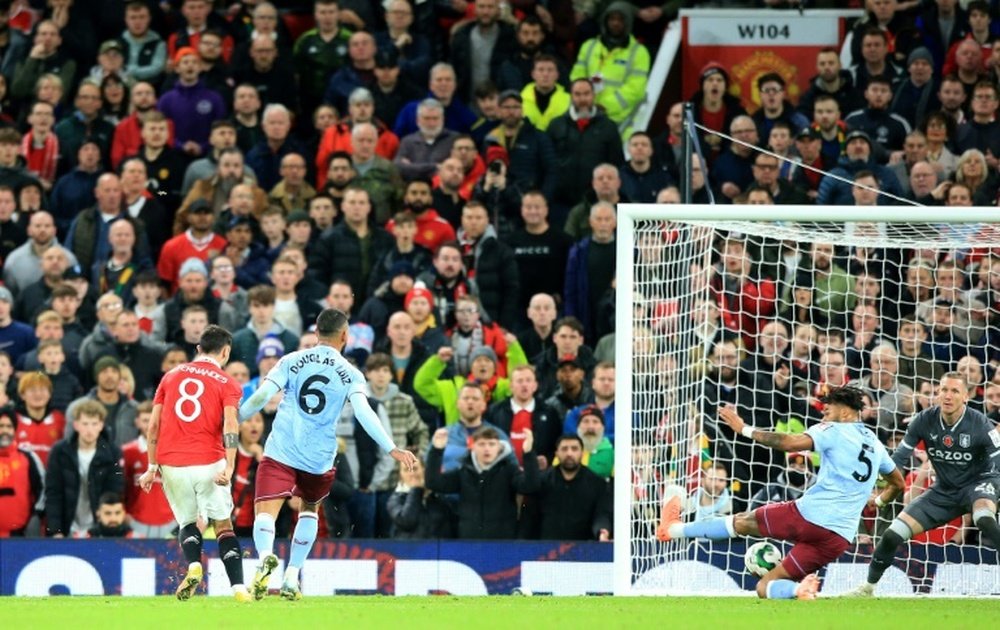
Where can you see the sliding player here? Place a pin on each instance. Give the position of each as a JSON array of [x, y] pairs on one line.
[[299, 453], [823, 521]]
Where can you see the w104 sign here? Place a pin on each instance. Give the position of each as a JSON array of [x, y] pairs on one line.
[[753, 43]]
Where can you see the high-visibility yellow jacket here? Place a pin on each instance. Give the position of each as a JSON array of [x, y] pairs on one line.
[[558, 105], [620, 76]]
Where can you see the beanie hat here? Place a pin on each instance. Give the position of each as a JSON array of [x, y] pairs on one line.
[[416, 292], [713, 67], [193, 265], [920, 52], [270, 347], [483, 351]]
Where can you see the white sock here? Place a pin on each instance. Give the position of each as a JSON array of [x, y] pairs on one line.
[[292, 574]]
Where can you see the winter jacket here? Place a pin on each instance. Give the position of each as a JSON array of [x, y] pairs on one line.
[[246, 341], [487, 506], [461, 54], [193, 108], [545, 424], [579, 151], [338, 255], [838, 193], [62, 481], [574, 509], [496, 274], [417, 514], [532, 158]]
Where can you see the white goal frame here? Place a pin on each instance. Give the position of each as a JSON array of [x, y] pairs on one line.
[[628, 214]]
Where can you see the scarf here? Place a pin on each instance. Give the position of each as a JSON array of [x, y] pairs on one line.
[[464, 344], [42, 162]]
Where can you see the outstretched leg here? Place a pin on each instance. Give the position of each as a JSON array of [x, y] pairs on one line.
[[671, 526]]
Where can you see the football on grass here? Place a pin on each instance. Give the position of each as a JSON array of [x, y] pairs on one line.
[[761, 557]]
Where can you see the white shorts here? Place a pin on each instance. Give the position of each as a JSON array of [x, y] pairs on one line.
[[191, 491]]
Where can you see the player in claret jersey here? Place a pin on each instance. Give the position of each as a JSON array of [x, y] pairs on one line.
[[192, 440], [299, 453], [963, 446], [823, 521]]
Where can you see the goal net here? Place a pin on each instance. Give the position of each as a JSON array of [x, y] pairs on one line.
[[754, 307]]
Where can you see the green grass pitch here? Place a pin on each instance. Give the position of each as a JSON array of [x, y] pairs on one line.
[[478, 613]]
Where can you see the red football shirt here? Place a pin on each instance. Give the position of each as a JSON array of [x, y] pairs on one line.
[[193, 396], [38, 437], [148, 508]]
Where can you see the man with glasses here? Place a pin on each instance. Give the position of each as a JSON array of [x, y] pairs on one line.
[[923, 180], [983, 131], [774, 107], [733, 171], [765, 177]]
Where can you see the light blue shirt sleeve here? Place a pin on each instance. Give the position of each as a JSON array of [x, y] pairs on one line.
[[886, 464], [269, 386], [369, 420]]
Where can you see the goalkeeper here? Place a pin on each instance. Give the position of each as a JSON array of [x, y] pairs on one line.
[[822, 522], [963, 446]]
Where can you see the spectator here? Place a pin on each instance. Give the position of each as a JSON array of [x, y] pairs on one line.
[[487, 482], [341, 253], [264, 159], [446, 283], [456, 116], [217, 188], [575, 502], [81, 469], [393, 89], [479, 46], [261, 325], [539, 249], [111, 519], [16, 338], [268, 71], [33, 297], [642, 178], [598, 453], [525, 411], [359, 71], [888, 129], [22, 267], [832, 80], [712, 498], [832, 130], [417, 512], [473, 167], [87, 236], [197, 20], [388, 297], [858, 156], [192, 289], [915, 365], [161, 158], [545, 98], [246, 255], [874, 61], [246, 116], [421, 151], [582, 138], [407, 428], [143, 206], [491, 264], [916, 97], [45, 57], [621, 62], [791, 484], [484, 369], [21, 485], [570, 391], [602, 398], [74, 191], [38, 425], [149, 513], [198, 241], [536, 337], [40, 147], [144, 50], [117, 271], [765, 177], [320, 52], [606, 186], [407, 355], [733, 170], [191, 104], [590, 268], [83, 124], [376, 174], [774, 107]]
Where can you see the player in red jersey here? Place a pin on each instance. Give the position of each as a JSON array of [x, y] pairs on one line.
[[149, 512], [193, 436]]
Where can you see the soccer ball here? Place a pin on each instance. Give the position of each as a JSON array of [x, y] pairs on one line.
[[520, 590], [761, 557]]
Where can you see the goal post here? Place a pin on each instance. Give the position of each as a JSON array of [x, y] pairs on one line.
[[661, 445]]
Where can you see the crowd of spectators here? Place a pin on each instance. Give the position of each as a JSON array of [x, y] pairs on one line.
[[444, 172]]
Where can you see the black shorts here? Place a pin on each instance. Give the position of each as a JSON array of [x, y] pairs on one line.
[[938, 506]]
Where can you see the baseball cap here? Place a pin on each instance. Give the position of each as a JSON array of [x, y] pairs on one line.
[[808, 133], [506, 94], [111, 44], [199, 205], [387, 57], [6, 295], [270, 347], [569, 359]]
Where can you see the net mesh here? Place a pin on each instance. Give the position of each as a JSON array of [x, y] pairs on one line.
[[765, 316]]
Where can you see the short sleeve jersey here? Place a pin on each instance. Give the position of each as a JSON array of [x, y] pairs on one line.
[[852, 459], [962, 454], [194, 396], [316, 384]]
